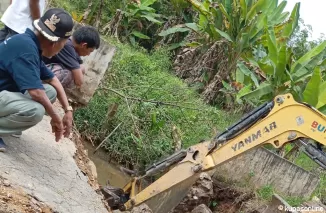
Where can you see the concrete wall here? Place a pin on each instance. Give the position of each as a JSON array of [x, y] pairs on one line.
[[261, 167]]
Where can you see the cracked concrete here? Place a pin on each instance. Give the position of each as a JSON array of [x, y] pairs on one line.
[[46, 170]]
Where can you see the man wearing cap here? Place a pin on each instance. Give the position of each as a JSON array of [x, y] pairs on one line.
[[27, 87]]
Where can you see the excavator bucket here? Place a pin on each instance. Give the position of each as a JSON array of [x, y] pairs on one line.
[[161, 197], [162, 202], [166, 201]]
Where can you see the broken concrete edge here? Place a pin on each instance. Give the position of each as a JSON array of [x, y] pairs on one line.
[[14, 197], [281, 203], [83, 161], [267, 150]]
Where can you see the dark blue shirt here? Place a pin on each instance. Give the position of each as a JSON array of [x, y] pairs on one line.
[[21, 65], [67, 57]]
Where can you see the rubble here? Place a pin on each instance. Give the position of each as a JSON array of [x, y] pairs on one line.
[[200, 193], [201, 209], [14, 200], [143, 208]]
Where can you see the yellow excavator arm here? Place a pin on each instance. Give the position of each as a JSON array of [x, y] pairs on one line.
[[277, 122]]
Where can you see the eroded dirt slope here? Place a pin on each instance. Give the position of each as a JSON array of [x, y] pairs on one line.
[[14, 200]]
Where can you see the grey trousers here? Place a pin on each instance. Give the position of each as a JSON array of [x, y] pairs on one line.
[[19, 112]]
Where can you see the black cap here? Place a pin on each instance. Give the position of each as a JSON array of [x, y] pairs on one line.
[[56, 23]]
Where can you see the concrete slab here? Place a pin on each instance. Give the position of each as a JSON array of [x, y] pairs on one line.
[[260, 167], [47, 170]]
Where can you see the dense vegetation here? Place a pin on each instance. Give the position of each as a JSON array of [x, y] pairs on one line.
[[181, 65], [150, 127]]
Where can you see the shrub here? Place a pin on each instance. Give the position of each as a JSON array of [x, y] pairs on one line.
[[145, 134]]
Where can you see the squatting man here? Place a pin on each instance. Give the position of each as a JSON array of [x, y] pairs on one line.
[[27, 87]]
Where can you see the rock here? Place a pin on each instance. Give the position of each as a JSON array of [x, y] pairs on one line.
[[92, 168], [201, 209], [200, 193], [46, 210], [316, 199], [35, 202], [143, 208], [9, 195], [6, 183], [35, 207]]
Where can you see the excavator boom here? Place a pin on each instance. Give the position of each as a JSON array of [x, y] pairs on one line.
[[278, 122]]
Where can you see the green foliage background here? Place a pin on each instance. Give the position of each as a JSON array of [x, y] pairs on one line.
[[147, 76]]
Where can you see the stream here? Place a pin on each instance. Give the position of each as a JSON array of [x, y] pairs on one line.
[[106, 171]]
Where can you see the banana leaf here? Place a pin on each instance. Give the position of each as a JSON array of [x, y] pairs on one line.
[[290, 27], [273, 19], [311, 92], [322, 95], [264, 89], [248, 73], [308, 61]]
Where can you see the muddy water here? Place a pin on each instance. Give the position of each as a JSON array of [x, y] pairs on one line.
[[105, 171]]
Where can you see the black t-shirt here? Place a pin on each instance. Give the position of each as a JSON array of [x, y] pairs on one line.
[[68, 57]]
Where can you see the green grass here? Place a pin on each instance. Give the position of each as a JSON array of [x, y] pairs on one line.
[[78, 7], [266, 193], [306, 163], [145, 133], [295, 201]]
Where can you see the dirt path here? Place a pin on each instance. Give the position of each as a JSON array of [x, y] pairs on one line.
[[47, 171]]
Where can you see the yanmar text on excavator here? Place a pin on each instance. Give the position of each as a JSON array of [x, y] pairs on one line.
[[281, 121]]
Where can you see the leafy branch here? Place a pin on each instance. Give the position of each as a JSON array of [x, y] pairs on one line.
[[149, 101]]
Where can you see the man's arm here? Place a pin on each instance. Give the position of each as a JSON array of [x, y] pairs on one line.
[[61, 94], [78, 76], [48, 77], [35, 9], [40, 96]]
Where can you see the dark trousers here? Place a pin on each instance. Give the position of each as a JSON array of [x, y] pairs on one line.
[[5, 33]]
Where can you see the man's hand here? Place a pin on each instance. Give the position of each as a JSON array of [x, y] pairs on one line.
[[67, 123], [67, 119], [57, 126], [39, 95]]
